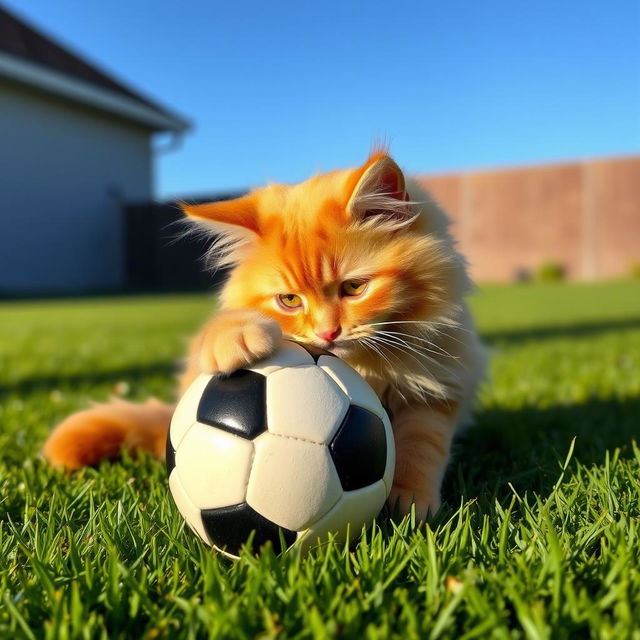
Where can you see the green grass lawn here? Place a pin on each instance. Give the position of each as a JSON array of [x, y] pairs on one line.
[[537, 538]]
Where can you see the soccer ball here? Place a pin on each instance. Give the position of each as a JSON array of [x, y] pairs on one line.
[[289, 451]]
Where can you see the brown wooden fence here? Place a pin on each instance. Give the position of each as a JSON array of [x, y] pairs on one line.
[[584, 216]]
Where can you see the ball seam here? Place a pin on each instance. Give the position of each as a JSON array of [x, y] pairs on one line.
[[282, 435]]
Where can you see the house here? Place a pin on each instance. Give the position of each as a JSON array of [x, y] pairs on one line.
[[75, 145]]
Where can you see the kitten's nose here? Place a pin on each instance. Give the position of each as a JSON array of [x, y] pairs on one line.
[[329, 334]]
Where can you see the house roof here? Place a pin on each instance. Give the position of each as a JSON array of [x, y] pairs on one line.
[[30, 57]]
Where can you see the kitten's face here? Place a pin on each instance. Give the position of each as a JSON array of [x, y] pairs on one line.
[[324, 286], [324, 259]]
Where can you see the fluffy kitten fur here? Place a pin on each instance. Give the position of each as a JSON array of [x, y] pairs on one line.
[[409, 333]]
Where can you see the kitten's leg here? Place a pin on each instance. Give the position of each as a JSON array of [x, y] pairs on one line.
[[423, 437], [233, 339]]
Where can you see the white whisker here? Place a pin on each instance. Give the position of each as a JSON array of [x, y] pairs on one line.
[[429, 342], [401, 348], [410, 350], [378, 351], [402, 345], [428, 323]]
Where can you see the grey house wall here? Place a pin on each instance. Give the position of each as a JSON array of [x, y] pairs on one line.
[[65, 172]]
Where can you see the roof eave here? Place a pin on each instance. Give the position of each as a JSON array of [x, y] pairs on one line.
[[77, 90]]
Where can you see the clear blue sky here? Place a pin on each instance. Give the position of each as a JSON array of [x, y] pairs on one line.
[[279, 90]]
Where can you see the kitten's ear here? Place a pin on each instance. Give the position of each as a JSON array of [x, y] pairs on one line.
[[380, 191], [238, 217]]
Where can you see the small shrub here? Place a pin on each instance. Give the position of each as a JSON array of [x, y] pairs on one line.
[[634, 270], [551, 272]]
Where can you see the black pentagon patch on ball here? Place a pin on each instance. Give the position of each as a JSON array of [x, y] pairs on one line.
[[359, 449], [315, 352], [170, 457], [235, 403], [230, 527]]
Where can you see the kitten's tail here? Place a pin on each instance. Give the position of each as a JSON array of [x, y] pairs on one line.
[[103, 431]]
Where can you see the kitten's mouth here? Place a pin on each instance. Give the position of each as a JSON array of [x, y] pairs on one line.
[[340, 348]]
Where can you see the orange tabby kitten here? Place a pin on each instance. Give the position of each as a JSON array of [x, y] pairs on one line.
[[356, 262]]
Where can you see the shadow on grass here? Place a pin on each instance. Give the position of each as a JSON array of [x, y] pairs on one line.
[[526, 447], [86, 379], [555, 331]]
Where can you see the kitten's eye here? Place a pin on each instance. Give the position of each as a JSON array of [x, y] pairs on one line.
[[289, 300], [354, 287]]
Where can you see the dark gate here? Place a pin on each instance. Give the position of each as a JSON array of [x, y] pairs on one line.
[[159, 256]]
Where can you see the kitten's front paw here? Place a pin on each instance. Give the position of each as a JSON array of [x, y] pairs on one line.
[[400, 501], [238, 339]]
